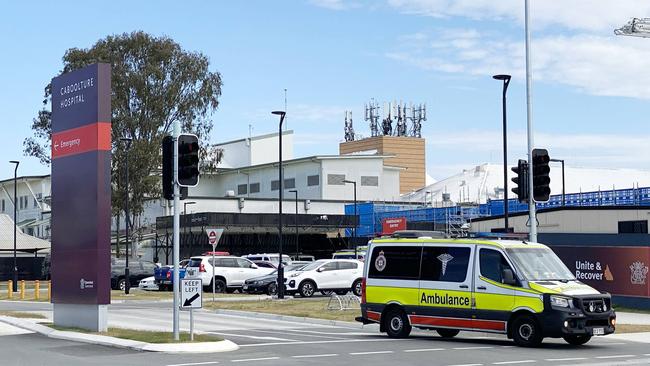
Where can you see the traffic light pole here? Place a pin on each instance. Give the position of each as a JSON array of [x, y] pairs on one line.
[[176, 231], [529, 117]]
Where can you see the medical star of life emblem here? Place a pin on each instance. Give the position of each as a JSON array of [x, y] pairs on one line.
[[380, 261], [444, 259], [638, 273]]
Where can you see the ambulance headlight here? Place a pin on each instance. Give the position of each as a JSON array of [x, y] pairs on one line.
[[560, 302]]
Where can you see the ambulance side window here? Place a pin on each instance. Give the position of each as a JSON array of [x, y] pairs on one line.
[[492, 264], [398, 262], [448, 264]]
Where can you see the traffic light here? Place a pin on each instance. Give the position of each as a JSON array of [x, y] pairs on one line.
[[521, 180], [168, 170], [541, 178], [188, 160]]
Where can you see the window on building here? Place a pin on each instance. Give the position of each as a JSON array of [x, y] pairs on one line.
[[335, 179], [290, 183], [448, 264], [255, 188], [242, 189], [35, 203], [370, 181], [633, 227], [30, 231], [275, 185], [3, 205], [313, 180]]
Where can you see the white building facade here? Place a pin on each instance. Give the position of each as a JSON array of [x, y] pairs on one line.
[[33, 203]]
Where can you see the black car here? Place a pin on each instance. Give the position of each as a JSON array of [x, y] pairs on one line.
[[138, 269], [267, 284]]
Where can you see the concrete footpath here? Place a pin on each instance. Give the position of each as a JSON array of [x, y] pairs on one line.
[[32, 325]]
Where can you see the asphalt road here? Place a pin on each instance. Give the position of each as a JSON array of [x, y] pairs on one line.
[[267, 342]]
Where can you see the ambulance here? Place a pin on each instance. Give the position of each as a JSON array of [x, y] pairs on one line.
[[513, 287]]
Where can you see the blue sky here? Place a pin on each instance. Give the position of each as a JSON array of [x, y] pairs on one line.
[[591, 89]]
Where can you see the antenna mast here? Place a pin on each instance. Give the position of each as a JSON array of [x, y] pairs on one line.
[[349, 130], [372, 115]]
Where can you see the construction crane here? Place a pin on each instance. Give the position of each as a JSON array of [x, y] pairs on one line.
[[637, 27]]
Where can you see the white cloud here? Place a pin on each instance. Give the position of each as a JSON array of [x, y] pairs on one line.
[[612, 66], [601, 16], [334, 4]]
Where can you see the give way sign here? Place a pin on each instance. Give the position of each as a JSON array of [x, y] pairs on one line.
[[213, 236]]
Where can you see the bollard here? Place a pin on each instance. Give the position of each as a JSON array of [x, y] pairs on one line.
[[49, 290], [10, 289], [22, 289], [37, 290]]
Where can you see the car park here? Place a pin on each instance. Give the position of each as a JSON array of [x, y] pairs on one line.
[[138, 269], [229, 272], [338, 275], [350, 253], [267, 284], [303, 258], [513, 287]]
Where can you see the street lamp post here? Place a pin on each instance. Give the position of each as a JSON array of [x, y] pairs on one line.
[[15, 274], [563, 187], [185, 221], [506, 82], [295, 221], [354, 235], [127, 277], [280, 198]]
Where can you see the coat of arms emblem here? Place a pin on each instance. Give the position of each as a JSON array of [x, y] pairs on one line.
[[380, 261], [638, 273]]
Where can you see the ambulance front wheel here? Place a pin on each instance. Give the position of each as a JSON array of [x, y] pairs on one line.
[[397, 324], [526, 332]]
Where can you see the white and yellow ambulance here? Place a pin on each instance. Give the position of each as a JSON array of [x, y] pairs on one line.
[[513, 287]]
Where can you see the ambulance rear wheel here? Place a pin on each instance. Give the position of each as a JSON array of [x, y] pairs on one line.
[[526, 332], [577, 340], [397, 324], [448, 333]]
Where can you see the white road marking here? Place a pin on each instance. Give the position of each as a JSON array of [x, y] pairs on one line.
[[424, 350], [512, 362], [468, 364], [566, 359], [314, 356], [615, 343], [369, 353], [615, 356], [469, 348], [330, 333], [255, 337], [306, 333], [319, 342], [256, 359], [195, 363]]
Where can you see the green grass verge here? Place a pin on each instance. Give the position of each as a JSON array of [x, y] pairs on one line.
[[300, 308], [142, 335], [23, 314]]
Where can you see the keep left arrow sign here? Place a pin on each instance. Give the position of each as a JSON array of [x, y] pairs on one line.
[[189, 301]]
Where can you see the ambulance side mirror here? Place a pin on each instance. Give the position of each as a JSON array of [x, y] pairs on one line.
[[508, 277]]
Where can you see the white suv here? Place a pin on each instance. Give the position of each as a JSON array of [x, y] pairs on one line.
[[326, 275], [229, 272]]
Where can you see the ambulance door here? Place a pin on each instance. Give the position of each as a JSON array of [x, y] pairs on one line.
[[493, 300], [445, 286]]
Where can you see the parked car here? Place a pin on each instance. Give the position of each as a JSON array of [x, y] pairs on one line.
[[269, 257], [303, 258], [138, 269], [164, 275], [267, 284], [265, 264], [349, 254], [148, 283], [338, 275], [229, 272]]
